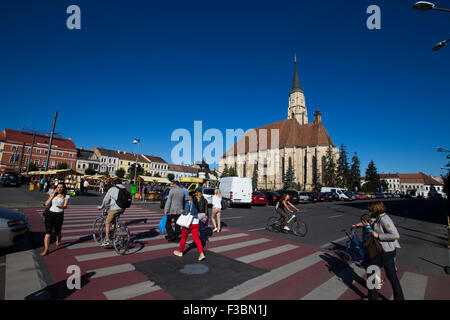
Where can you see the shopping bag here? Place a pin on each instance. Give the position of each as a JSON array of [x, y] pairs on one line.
[[185, 220], [162, 224]]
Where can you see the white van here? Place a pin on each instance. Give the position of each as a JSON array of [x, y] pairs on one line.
[[338, 191], [236, 190]]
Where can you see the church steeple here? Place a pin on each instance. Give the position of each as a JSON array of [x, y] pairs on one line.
[[297, 106], [296, 82]]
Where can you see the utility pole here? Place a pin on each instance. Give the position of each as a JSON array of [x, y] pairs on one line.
[[50, 143], [21, 157], [31, 151]]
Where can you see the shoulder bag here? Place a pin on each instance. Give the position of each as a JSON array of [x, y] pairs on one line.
[[185, 220]]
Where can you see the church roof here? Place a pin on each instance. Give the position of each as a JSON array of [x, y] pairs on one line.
[[296, 82], [291, 134]]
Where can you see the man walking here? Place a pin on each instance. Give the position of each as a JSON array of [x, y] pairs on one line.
[[173, 208]]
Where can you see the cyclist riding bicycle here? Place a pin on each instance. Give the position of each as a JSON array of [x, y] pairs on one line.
[[110, 203], [281, 208]]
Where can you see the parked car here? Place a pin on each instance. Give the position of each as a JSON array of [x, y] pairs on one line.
[[236, 190], [258, 198], [14, 227], [303, 197], [361, 196], [11, 180], [208, 194], [320, 196], [293, 195], [379, 195], [330, 196], [272, 197], [313, 196]]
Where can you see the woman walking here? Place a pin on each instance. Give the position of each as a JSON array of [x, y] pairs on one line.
[[202, 215], [191, 208], [55, 217], [386, 233], [217, 208]]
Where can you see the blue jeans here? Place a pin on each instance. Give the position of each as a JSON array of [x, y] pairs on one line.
[[386, 260]]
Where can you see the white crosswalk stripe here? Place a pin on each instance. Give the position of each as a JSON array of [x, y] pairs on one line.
[[337, 285], [269, 278], [266, 253], [131, 291]]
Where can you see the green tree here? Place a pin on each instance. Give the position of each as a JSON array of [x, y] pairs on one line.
[[355, 174], [120, 172], [61, 166], [225, 172], [329, 177], [139, 171], [32, 167], [170, 176], [343, 171], [372, 178], [289, 178], [157, 175], [232, 172], [89, 171], [446, 184], [255, 177], [298, 187]]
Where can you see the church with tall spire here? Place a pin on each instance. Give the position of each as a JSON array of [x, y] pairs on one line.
[[292, 143]]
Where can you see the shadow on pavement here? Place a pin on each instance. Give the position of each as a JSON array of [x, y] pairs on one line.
[[59, 290], [435, 211]]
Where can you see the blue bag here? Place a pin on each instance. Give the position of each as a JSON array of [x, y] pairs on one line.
[[162, 224]]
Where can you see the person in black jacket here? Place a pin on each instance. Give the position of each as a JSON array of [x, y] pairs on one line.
[[202, 215]]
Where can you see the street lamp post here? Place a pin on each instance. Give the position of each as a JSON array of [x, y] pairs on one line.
[[424, 6], [137, 155]]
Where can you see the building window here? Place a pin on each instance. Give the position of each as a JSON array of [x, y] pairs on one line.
[[69, 164], [14, 148], [11, 159], [52, 163], [36, 162]]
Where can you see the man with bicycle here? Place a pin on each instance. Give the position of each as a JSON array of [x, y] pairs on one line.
[[283, 205], [114, 210]]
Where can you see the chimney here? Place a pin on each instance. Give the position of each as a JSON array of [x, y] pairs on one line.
[[81, 148], [69, 138], [118, 151], [317, 116]]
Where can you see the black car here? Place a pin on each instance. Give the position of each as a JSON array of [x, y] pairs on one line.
[[11, 180], [292, 193], [330, 196], [272, 197]]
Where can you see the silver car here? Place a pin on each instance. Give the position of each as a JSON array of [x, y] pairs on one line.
[[14, 227]]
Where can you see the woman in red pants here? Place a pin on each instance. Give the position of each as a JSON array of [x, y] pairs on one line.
[[191, 208]]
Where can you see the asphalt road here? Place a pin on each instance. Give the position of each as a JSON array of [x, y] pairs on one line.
[[422, 225]]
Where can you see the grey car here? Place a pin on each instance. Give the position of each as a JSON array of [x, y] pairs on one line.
[[14, 227]]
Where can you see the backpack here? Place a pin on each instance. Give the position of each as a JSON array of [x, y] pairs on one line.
[[124, 198]]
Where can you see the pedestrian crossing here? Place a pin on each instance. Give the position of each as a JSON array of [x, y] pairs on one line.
[[294, 270]]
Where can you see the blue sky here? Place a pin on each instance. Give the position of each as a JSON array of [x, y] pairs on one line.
[[141, 69]]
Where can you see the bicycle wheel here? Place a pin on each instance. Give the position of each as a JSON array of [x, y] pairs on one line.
[[121, 239], [299, 228], [98, 230], [272, 224]]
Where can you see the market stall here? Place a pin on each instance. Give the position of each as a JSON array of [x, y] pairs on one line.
[[155, 186]]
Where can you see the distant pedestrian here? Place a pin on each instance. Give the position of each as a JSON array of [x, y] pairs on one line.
[[86, 186], [143, 192], [81, 185], [173, 208], [102, 186], [191, 208], [386, 233], [216, 210], [55, 217]]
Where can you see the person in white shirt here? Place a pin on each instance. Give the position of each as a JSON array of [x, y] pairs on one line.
[[216, 210], [55, 217]]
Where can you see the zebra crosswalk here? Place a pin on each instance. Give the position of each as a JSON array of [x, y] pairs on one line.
[[289, 270]]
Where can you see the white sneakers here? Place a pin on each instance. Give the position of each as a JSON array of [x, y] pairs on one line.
[[178, 253], [201, 257], [287, 228]]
